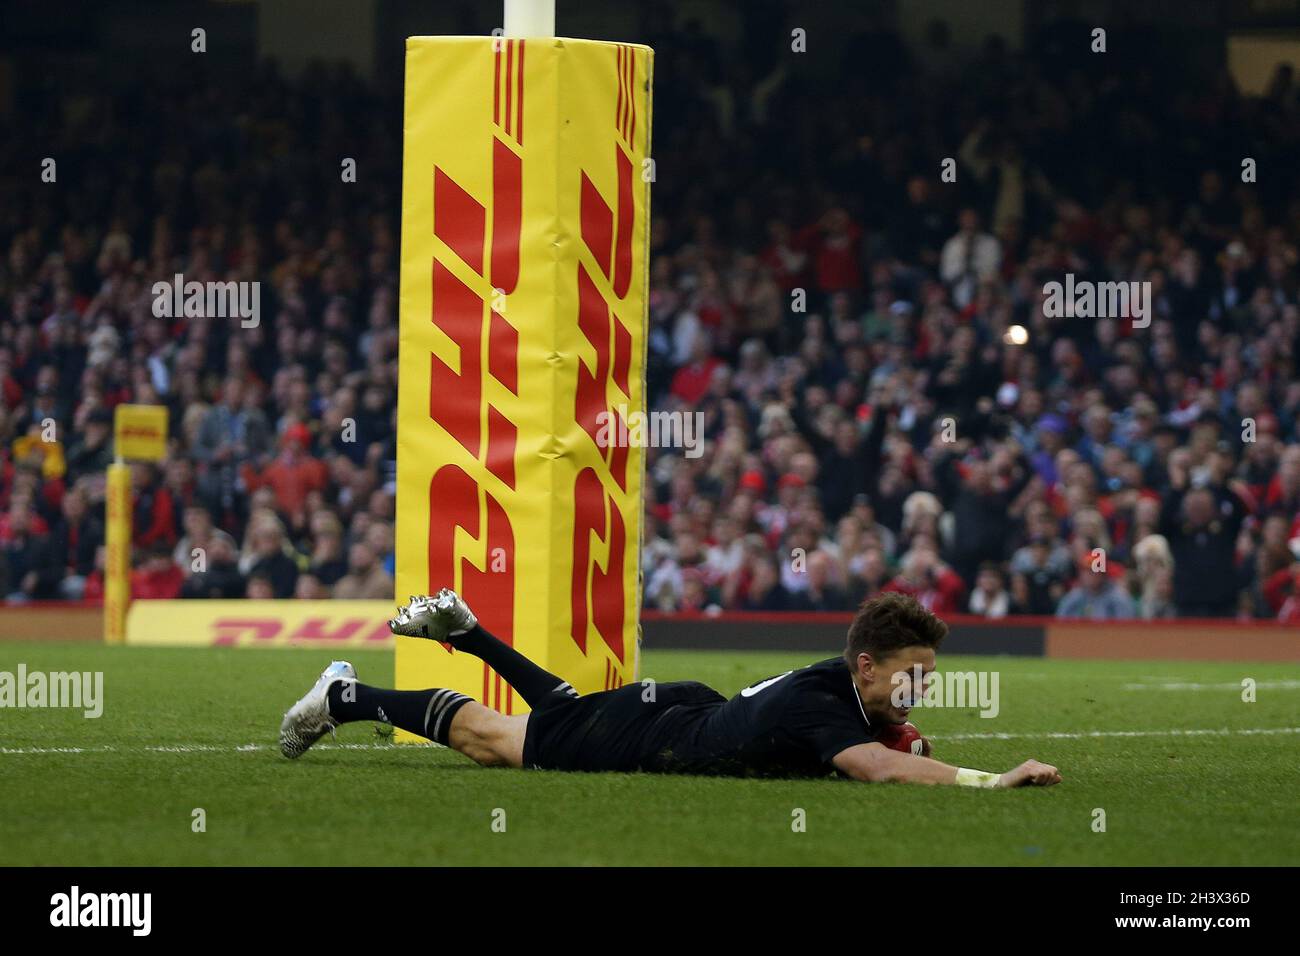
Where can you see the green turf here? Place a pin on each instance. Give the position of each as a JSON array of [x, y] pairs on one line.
[[1224, 799]]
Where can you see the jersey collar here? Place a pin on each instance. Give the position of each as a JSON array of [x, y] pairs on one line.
[[858, 696]]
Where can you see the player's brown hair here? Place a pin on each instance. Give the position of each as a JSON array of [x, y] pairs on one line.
[[890, 622]]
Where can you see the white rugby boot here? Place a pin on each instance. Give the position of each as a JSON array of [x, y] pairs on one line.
[[309, 719], [442, 618]]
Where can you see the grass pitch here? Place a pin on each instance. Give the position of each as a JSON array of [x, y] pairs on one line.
[[1184, 770]]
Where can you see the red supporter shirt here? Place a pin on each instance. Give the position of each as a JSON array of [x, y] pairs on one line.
[[157, 584], [691, 383], [291, 481]]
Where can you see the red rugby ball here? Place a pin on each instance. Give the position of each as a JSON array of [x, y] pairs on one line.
[[904, 738]]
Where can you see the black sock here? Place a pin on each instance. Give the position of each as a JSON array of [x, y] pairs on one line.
[[532, 682], [424, 712]]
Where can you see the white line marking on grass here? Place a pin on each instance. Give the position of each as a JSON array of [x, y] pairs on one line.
[[254, 748], [1030, 735], [1225, 685], [1087, 734], [203, 748]]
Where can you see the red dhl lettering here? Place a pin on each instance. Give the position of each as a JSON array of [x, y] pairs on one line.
[[269, 630], [607, 233], [457, 400]]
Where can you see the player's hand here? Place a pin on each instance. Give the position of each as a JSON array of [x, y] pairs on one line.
[[1031, 773]]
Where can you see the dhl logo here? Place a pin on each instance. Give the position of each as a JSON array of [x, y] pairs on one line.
[[457, 397], [607, 230], [246, 631]]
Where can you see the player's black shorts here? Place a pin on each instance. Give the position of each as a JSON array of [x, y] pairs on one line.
[[633, 728]]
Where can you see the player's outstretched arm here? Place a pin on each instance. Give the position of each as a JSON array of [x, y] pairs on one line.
[[876, 763]]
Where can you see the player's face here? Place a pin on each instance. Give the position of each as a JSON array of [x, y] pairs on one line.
[[897, 680]]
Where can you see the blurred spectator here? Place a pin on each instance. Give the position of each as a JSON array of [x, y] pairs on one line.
[[220, 577], [1202, 534], [157, 576], [1096, 596], [765, 592], [981, 494], [1287, 590], [366, 578], [326, 562], [868, 575], [30, 569], [77, 535], [92, 450], [824, 592], [231, 434], [1153, 577], [969, 258], [266, 556], [310, 588], [260, 588], [154, 518], [990, 597], [834, 243], [930, 581], [200, 533], [1040, 574], [293, 475]]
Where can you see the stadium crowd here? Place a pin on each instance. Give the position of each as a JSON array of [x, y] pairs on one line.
[[886, 403]]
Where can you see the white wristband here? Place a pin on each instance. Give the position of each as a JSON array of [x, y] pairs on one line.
[[977, 778]]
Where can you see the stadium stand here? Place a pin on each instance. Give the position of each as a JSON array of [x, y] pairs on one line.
[[821, 298]]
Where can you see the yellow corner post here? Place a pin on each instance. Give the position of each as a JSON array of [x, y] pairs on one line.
[[140, 434], [117, 547]]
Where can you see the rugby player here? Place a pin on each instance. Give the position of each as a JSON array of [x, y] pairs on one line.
[[827, 718]]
